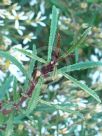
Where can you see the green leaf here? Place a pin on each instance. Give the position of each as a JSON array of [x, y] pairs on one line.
[[35, 97], [79, 42], [33, 56], [15, 92], [83, 86], [23, 2], [9, 129], [5, 86], [76, 55], [32, 62], [58, 107], [60, 4], [79, 66], [31, 67], [92, 1], [14, 61], [54, 22]]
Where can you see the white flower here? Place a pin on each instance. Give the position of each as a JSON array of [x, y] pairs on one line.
[[55, 101], [28, 38], [98, 52], [94, 58], [1, 22], [33, 2], [2, 75], [38, 20], [7, 2], [54, 87], [16, 6], [42, 7], [84, 25], [30, 16], [7, 41], [70, 121], [81, 103], [2, 13], [61, 98], [61, 113], [79, 127], [98, 108], [18, 55], [20, 30], [24, 104], [96, 77], [64, 22], [17, 16], [51, 88], [14, 70]]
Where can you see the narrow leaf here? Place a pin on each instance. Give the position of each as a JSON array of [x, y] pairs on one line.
[[33, 56], [58, 107], [54, 22], [79, 66], [35, 97], [76, 55], [83, 86], [5, 86], [14, 61], [78, 43], [15, 92], [9, 129], [32, 62]]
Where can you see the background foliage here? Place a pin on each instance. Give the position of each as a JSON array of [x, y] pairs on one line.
[[68, 101]]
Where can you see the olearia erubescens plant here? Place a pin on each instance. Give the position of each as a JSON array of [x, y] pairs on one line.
[[23, 108]]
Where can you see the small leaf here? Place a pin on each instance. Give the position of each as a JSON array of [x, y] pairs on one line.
[[33, 56], [9, 129], [35, 97], [14, 61], [5, 86], [32, 62], [58, 107], [15, 92], [76, 55], [54, 22], [31, 67], [83, 86], [78, 43], [79, 66]]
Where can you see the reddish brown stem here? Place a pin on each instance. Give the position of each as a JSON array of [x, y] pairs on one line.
[[44, 72]]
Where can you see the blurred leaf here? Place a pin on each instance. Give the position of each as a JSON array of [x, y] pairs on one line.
[[9, 129], [60, 4], [80, 66], [23, 2], [15, 92], [49, 107], [33, 56], [83, 86], [4, 88], [92, 1], [2, 118], [59, 107], [14, 61], [32, 62], [35, 97], [76, 55], [53, 28], [79, 42]]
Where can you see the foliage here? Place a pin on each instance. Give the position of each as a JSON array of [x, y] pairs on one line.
[[50, 68]]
